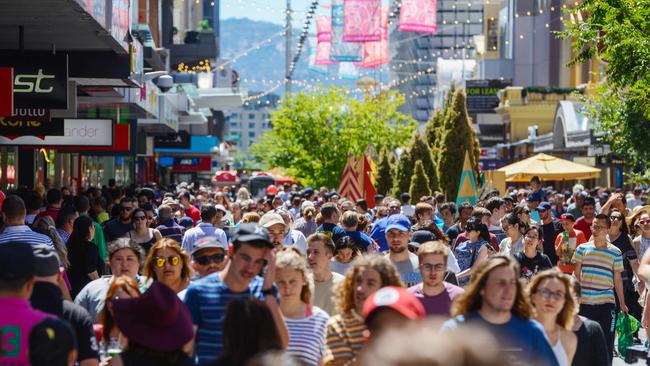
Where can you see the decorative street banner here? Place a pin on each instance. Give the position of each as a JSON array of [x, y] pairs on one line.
[[324, 28], [313, 66], [323, 51], [418, 16], [376, 53], [342, 51], [467, 191], [362, 21], [356, 180]]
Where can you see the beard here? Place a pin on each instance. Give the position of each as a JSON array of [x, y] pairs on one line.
[[396, 250]]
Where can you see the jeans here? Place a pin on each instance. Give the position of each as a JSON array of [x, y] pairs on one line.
[[605, 315]]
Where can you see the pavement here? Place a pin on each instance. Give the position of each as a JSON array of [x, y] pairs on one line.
[[618, 361]]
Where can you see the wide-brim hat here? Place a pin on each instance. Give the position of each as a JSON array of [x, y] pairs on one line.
[[636, 212], [157, 320]]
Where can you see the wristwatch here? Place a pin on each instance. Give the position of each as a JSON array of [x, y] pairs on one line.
[[271, 291]]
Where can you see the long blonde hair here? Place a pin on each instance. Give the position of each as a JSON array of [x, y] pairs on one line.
[[570, 309], [291, 258]]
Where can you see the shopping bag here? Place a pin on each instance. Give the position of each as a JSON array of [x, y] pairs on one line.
[[626, 325]]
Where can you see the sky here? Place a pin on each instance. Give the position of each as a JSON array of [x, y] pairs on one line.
[[265, 10]]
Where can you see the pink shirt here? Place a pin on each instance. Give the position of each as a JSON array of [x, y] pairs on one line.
[[17, 317]]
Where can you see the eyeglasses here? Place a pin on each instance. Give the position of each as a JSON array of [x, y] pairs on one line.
[[138, 218], [428, 267], [173, 260], [206, 259], [548, 294], [617, 218], [644, 222], [124, 208]]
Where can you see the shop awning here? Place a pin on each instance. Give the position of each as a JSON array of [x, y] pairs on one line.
[[548, 167], [225, 176]]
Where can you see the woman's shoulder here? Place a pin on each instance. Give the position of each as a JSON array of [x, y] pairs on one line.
[[569, 338]]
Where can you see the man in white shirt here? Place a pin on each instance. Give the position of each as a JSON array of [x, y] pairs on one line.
[[210, 217], [320, 250]]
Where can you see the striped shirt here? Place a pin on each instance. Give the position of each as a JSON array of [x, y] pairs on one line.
[[23, 234], [597, 272], [307, 336], [207, 300], [345, 338]]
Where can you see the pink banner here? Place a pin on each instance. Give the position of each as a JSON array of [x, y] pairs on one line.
[[376, 53], [323, 51], [362, 20], [418, 16], [324, 28], [342, 51]]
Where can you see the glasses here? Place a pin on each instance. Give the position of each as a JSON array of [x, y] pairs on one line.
[[644, 222], [124, 208], [173, 260], [139, 218], [206, 259], [428, 267], [548, 294], [616, 218]]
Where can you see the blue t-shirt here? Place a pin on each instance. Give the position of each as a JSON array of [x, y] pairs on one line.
[[522, 341], [361, 240], [333, 231], [378, 233], [207, 300]]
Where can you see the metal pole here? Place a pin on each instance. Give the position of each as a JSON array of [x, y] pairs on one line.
[[287, 51]]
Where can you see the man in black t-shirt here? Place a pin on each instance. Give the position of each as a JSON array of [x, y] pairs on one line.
[[47, 297], [550, 229]]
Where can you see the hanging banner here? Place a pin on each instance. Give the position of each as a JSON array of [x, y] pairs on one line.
[[347, 70], [324, 28], [323, 52], [418, 16], [376, 53], [342, 51], [362, 20], [313, 50]]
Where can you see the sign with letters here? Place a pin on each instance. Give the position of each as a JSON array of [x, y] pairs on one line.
[[40, 79], [31, 122], [76, 132], [179, 140]]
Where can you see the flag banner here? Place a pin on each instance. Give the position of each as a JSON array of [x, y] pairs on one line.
[[467, 191], [418, 16], [342, 51], [362, 20], [323, 51], [348, 71], [313, 49], [376, 53], [350, 187], [369, 191], [324, 28]]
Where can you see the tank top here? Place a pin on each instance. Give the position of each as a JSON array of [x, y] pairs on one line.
[[147, 244], [643, 246], [560, 352]]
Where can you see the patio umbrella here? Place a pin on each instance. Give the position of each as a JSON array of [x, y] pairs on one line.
[[548, 167]]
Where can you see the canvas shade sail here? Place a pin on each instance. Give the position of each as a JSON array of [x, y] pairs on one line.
[[548, 167]]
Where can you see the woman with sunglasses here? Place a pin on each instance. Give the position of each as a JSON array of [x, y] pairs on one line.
[[142, 234], [473, 251], [169, 264], [642, 242], [552, 296], [523, 213], [514, 229], [530, 260]]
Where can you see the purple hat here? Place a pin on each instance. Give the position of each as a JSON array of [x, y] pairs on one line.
[[399, 222], [157, 320]]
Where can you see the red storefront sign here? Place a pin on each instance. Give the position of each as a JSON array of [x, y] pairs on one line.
[[6, 91], [192, 164]]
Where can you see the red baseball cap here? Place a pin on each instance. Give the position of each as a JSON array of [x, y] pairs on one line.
[[567, 216], [396, 298]]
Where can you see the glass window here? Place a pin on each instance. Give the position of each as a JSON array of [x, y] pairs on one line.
[[251, 134], [251, 125], [251, 116]]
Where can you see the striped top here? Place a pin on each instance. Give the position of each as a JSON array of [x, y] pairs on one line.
[[207, 300], [597, 272], [23, 234], [345, 338], [307, 336]]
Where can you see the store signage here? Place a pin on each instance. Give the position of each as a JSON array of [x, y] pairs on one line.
[[6, 91], [488, 153], [76, 132], [31, 122], [483, 95], [180, 140], [40, 79], [192, 164]]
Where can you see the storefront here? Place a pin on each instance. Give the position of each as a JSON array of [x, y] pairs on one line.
[[194, 163]]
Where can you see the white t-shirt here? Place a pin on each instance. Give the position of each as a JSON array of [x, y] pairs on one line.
[[297, 239]]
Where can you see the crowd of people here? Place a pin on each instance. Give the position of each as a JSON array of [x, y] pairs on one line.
[[194, 275]]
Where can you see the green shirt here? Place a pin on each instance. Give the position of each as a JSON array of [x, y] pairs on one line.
[[98, 239]]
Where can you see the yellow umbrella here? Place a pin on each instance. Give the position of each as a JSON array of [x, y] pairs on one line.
[[548, 167]]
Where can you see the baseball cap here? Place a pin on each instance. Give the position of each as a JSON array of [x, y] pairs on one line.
[[567, 217], [271, 218], [205, 243], [248, 232], [399, 222], [16, 261], [306, 204], [396, 298], [422, 236], [50, 342], [186, 222], [46, 261], [544, 206], [221, 208]]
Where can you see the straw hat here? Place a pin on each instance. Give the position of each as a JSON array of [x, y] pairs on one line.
[[636, 212]]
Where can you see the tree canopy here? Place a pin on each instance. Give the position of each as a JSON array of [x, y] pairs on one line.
[[314, 132]]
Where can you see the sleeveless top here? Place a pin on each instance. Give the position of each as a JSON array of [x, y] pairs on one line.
[[643, 246], [560, 352], [147, 244]]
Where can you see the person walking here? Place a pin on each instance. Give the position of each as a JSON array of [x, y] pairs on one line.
[[169, 264], [207, 228], [320, 251], [531, 261], [141, 233], [515, 230], [85, 264]]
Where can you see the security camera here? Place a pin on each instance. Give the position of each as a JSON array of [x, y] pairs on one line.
[[164, 83]]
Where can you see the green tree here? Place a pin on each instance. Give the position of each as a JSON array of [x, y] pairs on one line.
[[435, 127], [420, 150], [403, 173], [420, 185], [313, 133], [384, 173], [617, 32], [459, 138]]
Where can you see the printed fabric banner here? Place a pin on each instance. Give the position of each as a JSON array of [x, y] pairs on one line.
[[313, 51], [376, 53], [418, 16], [323, 51], [324, 28], [342, 51], [362, 20]]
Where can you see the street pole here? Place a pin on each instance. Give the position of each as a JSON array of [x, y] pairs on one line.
[[287, 52]]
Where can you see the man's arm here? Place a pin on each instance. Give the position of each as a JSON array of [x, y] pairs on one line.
[[618, 286], [576, 271], [272, 302]]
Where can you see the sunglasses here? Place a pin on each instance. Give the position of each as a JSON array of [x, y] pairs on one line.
[[124, 208], [644, 222], [138, 218], [615, 218], [206, 259], [173, 260]]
